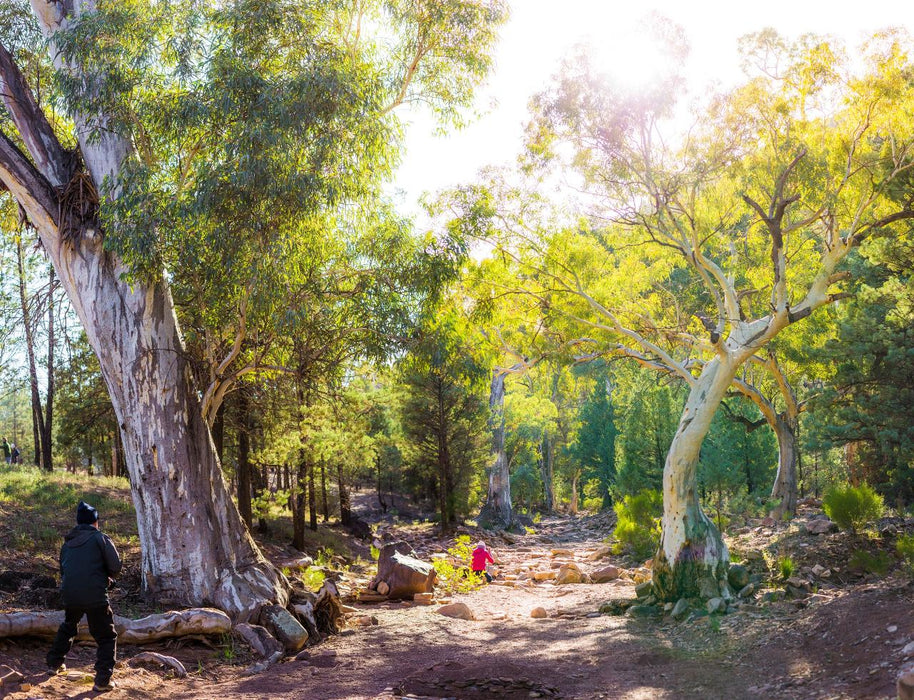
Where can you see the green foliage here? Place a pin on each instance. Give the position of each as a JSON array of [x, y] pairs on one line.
[[786, 567], [455, 575], [443, 415], [638, 522], [313, 578], [905, 546], [852, 507], [870, 562], [595, 446]]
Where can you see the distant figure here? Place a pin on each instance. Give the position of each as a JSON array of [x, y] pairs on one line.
[[481, 557], [15, 455], [7, 452], [88, 564]]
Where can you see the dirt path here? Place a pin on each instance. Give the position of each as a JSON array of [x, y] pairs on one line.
[[842, 646]]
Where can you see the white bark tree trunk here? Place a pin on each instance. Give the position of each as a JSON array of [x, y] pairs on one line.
[[497, 513], [196, 550], [784, 491], [692, 560]]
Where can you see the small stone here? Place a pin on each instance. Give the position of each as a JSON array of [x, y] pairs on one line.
[[383, 588], [891, 629], [820, 526], [643, 590], [539, 613], [543, 575], [569, 573], [716, 605], [908, 650], [680, 609], [25, 687], [746, 591], [644, 611], [606, 574], [905, 685], [423, 598], [561, 552], [461, 611]]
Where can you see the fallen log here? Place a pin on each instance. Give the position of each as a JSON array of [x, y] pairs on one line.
[[175, 623]]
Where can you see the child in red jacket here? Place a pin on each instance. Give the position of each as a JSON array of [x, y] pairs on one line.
[[481, 557]]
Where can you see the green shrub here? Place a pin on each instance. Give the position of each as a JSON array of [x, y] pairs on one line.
[[852, 507], [638, 522], [905, 546], [877, 563], [786, 567], [454, 573]]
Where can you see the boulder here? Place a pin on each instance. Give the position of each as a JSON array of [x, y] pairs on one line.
[[283, 625], [820, 526], [644, 611], [461, 611], [404, 574], [569, 573], [738, 576], [539, 613], [606, 574], [680, 609]]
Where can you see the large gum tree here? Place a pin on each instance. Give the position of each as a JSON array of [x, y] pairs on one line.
[[177, 132], [693, 252]]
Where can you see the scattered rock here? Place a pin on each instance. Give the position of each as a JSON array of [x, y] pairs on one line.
[[616, 606], [746, 590], [738, 576], [258, 638], [820, 571], [543, 575], [680, 609], [606, 574], [538, 613], [821, 526], [382, 588], [908, 650], [280, 622], [561, 552], [569, 573], [774, 596], [423, 598], [461, 611], [644, 611], [643, 590], [600, 553], [716, 605], [363, 621], [891, 629]]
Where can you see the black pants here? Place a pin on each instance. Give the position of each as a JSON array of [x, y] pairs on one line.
[[101, 626]]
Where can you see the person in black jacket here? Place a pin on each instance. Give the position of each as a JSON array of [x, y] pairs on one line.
[[88, 564]]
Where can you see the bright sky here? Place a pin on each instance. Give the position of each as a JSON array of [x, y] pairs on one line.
[[540, 32]]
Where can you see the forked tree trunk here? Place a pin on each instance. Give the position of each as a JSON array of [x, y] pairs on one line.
[[497, 513], [784, 491], [692, 560]]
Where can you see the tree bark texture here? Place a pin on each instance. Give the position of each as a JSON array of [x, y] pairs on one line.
[[497, 513], [692, 560], [784, 491], [48, 425], [195, 549], [244, 458]]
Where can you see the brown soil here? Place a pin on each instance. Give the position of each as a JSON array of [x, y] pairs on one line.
[[844, 641]]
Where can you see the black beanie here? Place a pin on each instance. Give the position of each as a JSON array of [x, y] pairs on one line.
[[85, 514]]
